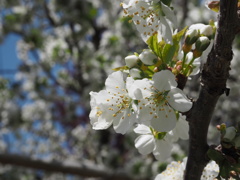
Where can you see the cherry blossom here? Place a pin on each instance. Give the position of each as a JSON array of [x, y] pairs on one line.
[[113, 105], [151, 17], [175, 171], [158, 99]]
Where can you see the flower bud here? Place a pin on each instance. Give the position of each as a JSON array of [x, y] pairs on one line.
[[148, 57], [136, 73], [229, 134], [131, 61], [202, 43], [191, 36], [206, 30]]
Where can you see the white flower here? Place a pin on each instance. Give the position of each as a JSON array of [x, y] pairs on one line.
[[113, 105], [148, 17], [158, 99], [175, 171], [148, 57], [147, 143]]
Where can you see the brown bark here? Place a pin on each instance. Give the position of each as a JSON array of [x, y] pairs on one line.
[[213, 84]]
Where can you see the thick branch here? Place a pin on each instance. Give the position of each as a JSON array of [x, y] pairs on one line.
[[214, 76], [83, 171]]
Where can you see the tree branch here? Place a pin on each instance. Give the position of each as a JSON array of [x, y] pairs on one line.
[[83, 170], [213, 81]]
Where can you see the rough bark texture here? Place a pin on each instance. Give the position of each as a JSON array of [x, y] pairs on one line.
[[213, 81]]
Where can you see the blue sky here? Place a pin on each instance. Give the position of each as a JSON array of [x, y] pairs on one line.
[[8, 56]]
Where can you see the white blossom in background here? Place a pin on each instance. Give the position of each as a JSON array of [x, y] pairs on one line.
[[113, 105], [146, 143], [158, 99], [38, 110], [19, 10], [22, 51], [151, 17], [53, 44], [175, 171]]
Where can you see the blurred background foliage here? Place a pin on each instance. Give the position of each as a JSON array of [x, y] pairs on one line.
[[67, 49]]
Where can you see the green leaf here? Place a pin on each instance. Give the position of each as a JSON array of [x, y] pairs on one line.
[[215, 155], [169, 50], [154, 45], [177, 37]]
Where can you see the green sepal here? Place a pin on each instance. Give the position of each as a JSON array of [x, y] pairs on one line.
[[122, 68], [160, 135], [167, 2]]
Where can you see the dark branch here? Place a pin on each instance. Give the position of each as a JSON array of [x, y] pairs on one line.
[[81, 170], [213, 81]]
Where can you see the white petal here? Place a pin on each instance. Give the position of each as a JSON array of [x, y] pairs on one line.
[[114, 82], [164, 80], [182, 128], [129, 82], [145, 144], [162, 150], [179, 101], [142, 129], [140, 89], [144, 113], [166, 120], [99, 98], [197, 26], [197, 64], [166, 30], [100, 122], [169, 14], [122, 122]]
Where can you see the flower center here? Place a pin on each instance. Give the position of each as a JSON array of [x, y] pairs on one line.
[[119, 102]]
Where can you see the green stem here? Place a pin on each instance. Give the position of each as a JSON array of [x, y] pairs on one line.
[[188, 66], [184, 60]]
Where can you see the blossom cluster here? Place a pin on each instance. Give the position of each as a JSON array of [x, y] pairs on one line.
[[145, 95], [175, 170]]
